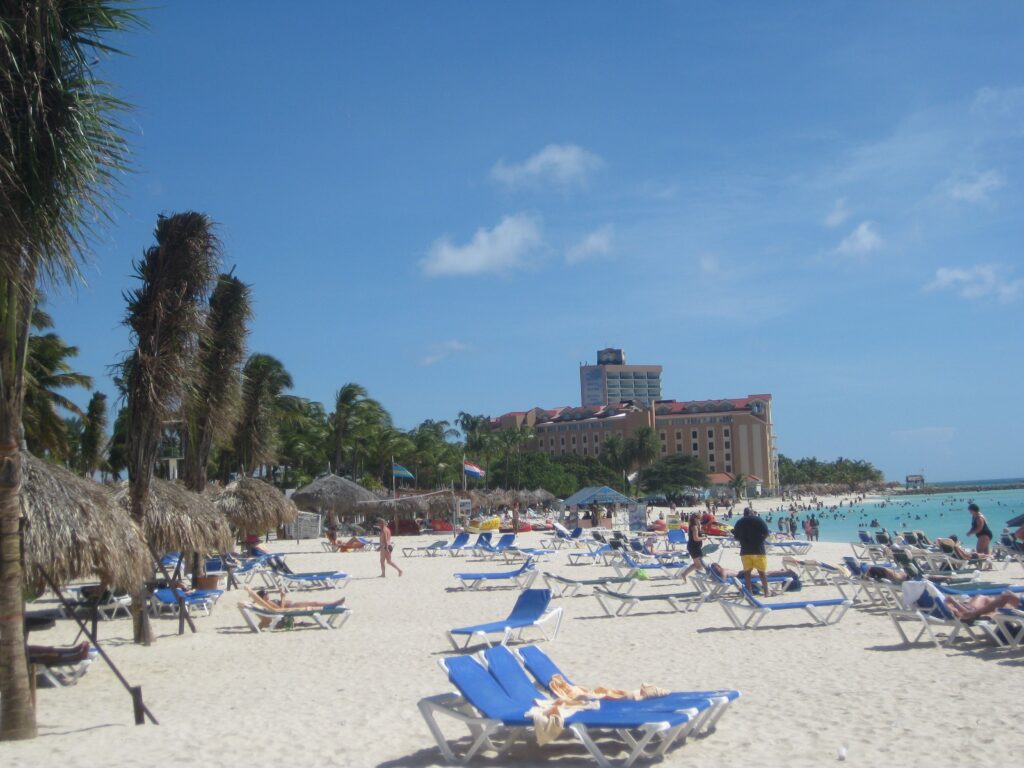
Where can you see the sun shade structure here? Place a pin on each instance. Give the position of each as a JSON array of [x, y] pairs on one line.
[[74, 529], [438, 503], [178, 520], [596, 495], [334, 495], [253, 505]]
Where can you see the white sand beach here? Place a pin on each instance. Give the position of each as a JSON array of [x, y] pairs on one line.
[[309, 697]]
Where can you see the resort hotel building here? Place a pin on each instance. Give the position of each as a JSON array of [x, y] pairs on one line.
[[730, 436]]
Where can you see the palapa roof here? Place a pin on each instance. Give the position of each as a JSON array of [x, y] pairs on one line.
[[254, 505], [76, 530], [331, 493], [437, 503], [178, 520]]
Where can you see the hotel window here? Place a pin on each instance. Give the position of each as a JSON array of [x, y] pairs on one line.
[[711, 433], [584, 450], [711, 458], [679, 447], [584, 438], [711, 468], [728, 444], [695, 448], [663, 436], [552, 442], [727, 432], [711, 445], [664, 448], [693, 435], [728, 457], [728, 467], [574, 439], [563, 442], [679, 435]]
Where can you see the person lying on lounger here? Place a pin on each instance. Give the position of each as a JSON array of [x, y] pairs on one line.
[[729, 573], [351, 545], [979, 605], [262, 599], [952, 546], [884, 573]]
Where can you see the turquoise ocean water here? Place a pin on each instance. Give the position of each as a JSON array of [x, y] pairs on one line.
[[939, 514]]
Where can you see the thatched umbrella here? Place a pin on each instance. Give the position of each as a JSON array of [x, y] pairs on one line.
[[333, 495], [542, 496], [253, 505], [178, 520], [75, 530]]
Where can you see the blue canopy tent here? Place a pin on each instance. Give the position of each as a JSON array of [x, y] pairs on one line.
[[596, 495]]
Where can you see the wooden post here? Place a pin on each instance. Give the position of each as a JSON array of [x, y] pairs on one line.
[[137, 705]]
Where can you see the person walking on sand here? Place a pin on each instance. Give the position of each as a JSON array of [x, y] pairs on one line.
[[979, 528], [694, 546], [751, 532], [386, 548]]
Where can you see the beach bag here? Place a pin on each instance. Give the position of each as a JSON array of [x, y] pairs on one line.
[[795, 585]]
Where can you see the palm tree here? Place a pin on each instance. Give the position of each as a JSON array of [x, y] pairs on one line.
[[93, 434], [211, 406], [615, 455], [264, 380], [738, 484], [165, 316], [352, 406], [116, 460], [47, 372], [60, 146], [642, 449]]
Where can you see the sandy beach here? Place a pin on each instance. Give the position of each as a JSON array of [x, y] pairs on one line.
[[310, 697]]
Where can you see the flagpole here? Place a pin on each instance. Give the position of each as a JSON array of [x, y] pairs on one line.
[[394, 490], [463, 473]]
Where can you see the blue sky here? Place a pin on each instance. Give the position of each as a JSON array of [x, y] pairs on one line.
[[454, 204]]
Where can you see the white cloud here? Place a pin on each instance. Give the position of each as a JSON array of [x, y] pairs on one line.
[[863, 240], [491, 250], [975, 189], [596, 243], [979, 282], [560, 164], [838, 215], [443, 350]]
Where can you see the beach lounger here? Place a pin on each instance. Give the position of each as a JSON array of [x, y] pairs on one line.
[[815, 571], [108, 604], [482, 543], [489, 712], [593, 556], [289, 581], [531, 610], [713, 584], [664, 570], [562, 586], [789, 547], [522, 578], [544, 670], [512, 554], [61, 666], [327, 617], [622, 603], [506, 542], [1007, 630], [164, 602], [750, 612], [429, 550], [508, 670], [875, 553], [676, 538], [925, 604]]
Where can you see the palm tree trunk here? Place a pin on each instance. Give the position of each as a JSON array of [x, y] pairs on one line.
[[17, 714], [17, 710]]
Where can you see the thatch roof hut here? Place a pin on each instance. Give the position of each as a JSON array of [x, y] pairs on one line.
[[178, 520], [333, 495], [75, 530], [253, 505], [436, 504]]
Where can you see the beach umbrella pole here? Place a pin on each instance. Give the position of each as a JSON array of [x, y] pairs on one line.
[[140, 709]]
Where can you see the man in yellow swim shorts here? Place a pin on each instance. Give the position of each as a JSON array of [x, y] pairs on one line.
[[752, 532]]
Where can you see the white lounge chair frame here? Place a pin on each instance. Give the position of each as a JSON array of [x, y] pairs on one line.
[[621, 604], [744, 615], [562, 586], [325, 620]]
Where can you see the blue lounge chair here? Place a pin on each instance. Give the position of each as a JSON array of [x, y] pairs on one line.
[[715, 584], [544, 670], [665, 570], [521, 578], [165, 601], [482, 543], [676, 538], [924, 603], [505, 543], [532, 609], [489, 711], [457, 545], [592, 556], [750, 612], [287, 580], [430, 550]]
